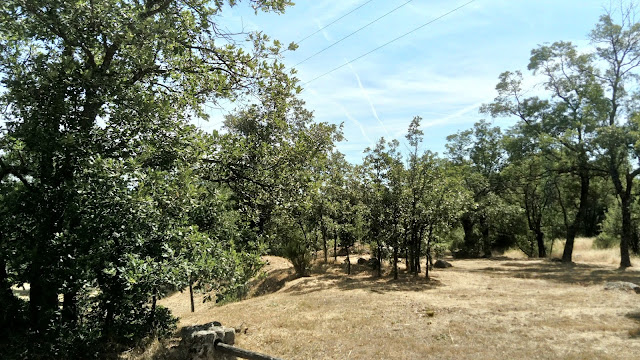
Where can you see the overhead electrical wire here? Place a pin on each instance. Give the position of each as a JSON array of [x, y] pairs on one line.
[[389, 42], [353, 33], [331, 23]]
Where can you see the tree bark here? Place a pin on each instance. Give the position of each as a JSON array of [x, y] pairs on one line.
[[9, 313], [324, 240], [348, 261], [412, 255], [43, 300], [335, 247], [395, 263], [70, 307], [379, 258], [542, 252], [627, 232], [193, 309], [567, 255], [467, 226], [486, 239]]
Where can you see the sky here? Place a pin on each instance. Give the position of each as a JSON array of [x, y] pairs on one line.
[[442, 72]]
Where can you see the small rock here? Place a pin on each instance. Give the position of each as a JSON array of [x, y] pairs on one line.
[[622, 285], [441, 264]]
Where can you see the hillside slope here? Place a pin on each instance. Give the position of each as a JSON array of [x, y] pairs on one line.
[[479, 309]]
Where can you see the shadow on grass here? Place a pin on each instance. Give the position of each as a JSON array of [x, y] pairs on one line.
[[272, 282], [572, 273], [333, 276]]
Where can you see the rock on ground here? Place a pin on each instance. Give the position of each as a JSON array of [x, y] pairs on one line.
[[622, 285], [441, 264]]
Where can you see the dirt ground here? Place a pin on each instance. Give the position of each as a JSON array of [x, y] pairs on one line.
[[479, 309]]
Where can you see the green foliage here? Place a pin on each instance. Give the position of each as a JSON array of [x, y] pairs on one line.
[[479, 156], [110, 202], [610, 229], [294, 244]]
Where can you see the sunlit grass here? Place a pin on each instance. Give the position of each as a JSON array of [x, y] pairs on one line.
[[479, 309]]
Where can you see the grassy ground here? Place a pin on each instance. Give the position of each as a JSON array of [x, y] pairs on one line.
[[479, 309]]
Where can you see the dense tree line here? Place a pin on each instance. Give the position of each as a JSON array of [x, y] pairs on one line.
[[110, 199]]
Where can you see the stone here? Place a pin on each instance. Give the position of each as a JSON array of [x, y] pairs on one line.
[[622, 285], [441, 264], [200, 339], [362, 261]]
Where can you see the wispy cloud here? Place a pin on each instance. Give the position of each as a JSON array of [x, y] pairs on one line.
[[357, 123], [442, 73], [447, 119], [324, 32], [366, 95]]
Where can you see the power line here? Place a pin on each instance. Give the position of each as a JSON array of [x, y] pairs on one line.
[[333, 22], [353, 33], [389, 42]]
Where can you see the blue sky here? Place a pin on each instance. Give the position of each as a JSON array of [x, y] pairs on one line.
[[443, 72]]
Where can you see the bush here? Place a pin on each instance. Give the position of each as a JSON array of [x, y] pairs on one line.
[[294, 245], [299, 254], [610, 229]]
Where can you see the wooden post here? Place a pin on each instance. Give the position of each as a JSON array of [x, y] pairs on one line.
[[191, 295]]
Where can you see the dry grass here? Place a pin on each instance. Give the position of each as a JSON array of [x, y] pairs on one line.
[[479, 309], [583, 252]]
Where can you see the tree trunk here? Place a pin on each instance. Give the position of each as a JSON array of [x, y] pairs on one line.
[[5, 287], [428, 260], [395, 263], [324, 242], [567, 255], [635, 244], [486, 239], [9, 312], [348, 261], [193, 309], [70, 307], [379, 258], [542, 253], [412, 255], [419, 251], [152, 313], [43, 301], [469, 238], [426, 264], [627, 232], [108, 319], [335, 247]]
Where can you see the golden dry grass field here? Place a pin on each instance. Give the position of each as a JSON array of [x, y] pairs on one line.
[[502, 308]]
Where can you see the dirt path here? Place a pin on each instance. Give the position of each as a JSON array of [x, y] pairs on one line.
[[479, 309]]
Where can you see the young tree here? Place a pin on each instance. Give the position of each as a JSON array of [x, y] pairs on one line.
[[479, 155], [618, 47]]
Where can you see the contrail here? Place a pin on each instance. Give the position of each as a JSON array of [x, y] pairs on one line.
[[364, 91]]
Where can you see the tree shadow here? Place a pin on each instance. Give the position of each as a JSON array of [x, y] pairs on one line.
[[570, 273], [379, 285], [271, 282]]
